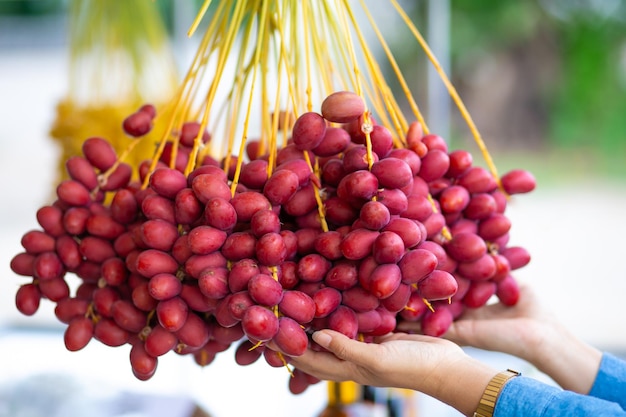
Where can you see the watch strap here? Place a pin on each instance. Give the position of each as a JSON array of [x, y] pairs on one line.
[[487, 402]]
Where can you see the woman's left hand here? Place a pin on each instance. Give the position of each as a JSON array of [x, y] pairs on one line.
[[431, 365]]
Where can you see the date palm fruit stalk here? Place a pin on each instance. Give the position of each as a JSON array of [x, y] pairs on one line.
[[119, 58]]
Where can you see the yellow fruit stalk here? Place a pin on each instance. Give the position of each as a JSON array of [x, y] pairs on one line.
[[120, 58]]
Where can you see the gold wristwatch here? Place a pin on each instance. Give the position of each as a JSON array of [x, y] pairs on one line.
[[487, 402]]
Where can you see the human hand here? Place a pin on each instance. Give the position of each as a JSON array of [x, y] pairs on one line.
[[434, 366], [531, 332], [518, 330], [382, 363]]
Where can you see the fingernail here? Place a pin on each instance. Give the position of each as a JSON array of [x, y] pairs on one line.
[[322, 339]]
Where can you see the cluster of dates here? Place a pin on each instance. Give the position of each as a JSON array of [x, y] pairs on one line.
[[194, 263]]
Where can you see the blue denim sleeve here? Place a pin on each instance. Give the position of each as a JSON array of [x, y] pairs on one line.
[[528, 397], [610, 383]]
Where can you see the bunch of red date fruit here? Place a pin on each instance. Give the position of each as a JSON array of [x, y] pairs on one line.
[[195, 263]]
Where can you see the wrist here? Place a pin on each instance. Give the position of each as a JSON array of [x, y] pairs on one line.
[[462, 384], [568, 360], [487, 403]]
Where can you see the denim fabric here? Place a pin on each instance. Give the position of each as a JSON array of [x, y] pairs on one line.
[[610, 384], [528, 397]]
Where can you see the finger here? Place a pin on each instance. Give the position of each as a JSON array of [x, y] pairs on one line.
[[345, 348], [462, 332], [486, 334], [323, 365], [273, 346], [483, 313], [404, 336]]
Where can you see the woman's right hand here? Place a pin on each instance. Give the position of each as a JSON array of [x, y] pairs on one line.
[[529, 331], [520, 330]]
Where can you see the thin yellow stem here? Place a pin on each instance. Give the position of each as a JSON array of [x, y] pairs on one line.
[[318, 197], [274, 131], [321, 48], [307, 54], [451, 90], [285, 364], [445, 231], [428, 304], [263, 23], [199, 16], [343, 68], [396, 69]]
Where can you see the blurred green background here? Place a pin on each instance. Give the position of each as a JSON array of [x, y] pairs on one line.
[[544, 80]]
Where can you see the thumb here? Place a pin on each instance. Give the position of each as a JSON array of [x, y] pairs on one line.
[[342, 346]]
